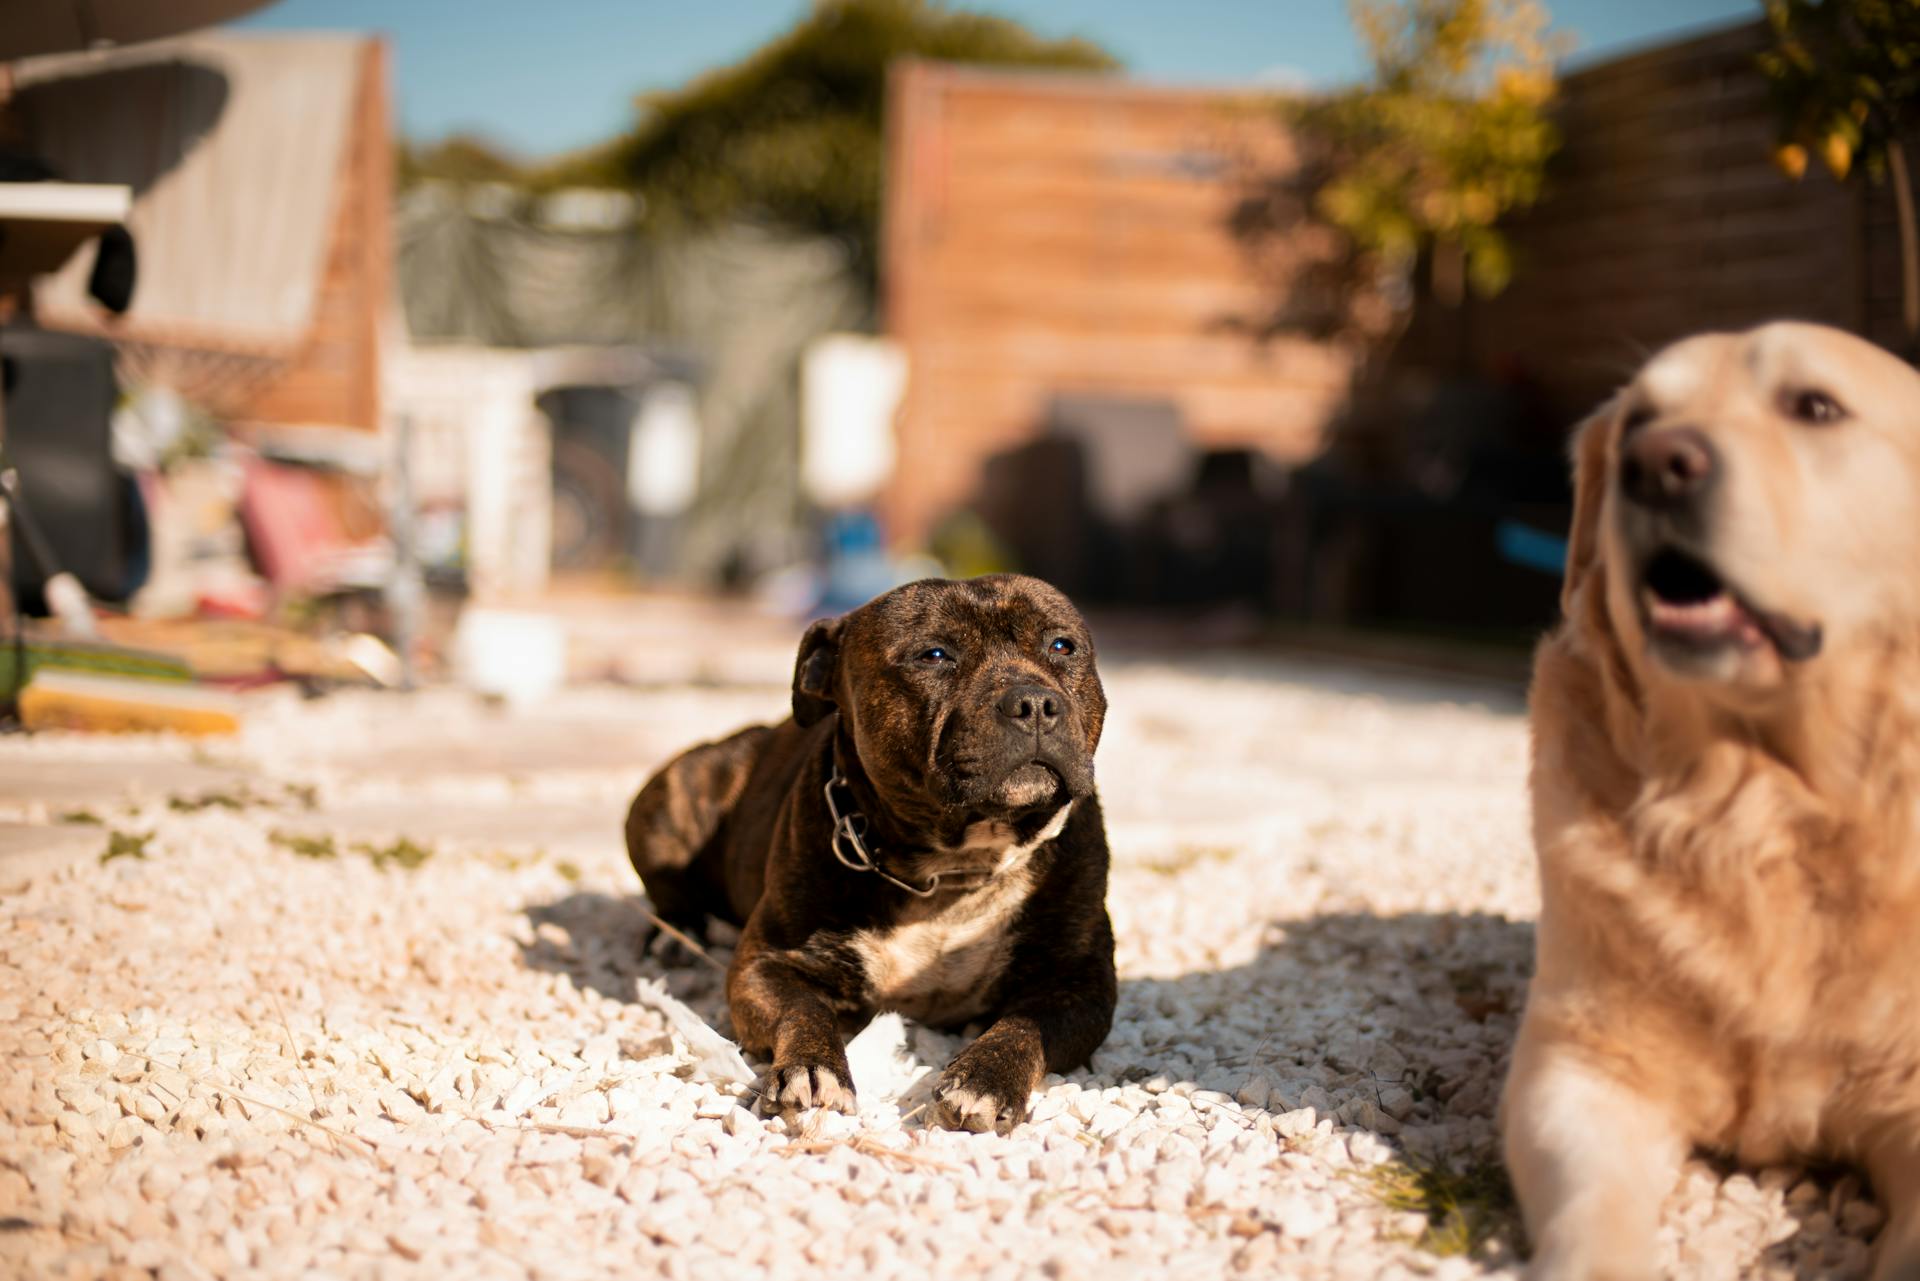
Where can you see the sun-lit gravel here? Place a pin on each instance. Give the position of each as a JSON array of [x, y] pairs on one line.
[[386, 1006]]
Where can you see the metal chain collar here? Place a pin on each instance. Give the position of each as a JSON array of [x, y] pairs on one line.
[[851, 848]]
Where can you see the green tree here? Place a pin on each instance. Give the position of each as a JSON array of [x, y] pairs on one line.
[[793, 134], [1845, 78], [456, 158], [1449, 133]]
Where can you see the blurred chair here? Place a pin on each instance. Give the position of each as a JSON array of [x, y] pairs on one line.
[[1137, 451], [60, 394], [1033, 499]]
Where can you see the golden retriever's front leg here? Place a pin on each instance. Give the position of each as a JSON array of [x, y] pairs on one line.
[[1893, 1163], [1591, 1163]]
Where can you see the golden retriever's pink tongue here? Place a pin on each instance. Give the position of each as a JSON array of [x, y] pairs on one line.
[[1716, 618]]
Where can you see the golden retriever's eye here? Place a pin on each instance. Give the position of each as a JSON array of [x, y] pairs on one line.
[[1637, 417], [1813, 407]]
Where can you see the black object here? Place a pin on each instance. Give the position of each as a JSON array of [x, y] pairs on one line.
[[115, 264], [114, 271], [59, 432], [750, 829]]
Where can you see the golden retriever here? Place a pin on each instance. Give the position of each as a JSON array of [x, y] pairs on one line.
[[1726, 783]]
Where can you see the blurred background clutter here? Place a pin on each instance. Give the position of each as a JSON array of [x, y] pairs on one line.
[[349, 342]]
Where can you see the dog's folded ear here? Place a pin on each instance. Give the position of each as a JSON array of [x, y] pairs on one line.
[[1592, 447], [813, 672]]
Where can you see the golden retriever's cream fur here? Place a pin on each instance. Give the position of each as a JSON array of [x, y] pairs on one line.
[[1729, 939]]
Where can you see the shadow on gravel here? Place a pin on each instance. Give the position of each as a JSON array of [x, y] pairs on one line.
[[1396, 1025], [1334, 1012], [1402, 1026], [1340, 1000], [604, 942]]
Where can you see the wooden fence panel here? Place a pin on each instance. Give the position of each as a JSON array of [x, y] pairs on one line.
[[1052, 234], [1665, 216]]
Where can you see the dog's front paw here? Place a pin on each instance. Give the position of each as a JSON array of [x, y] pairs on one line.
[[795, 1087], [981, 1096]]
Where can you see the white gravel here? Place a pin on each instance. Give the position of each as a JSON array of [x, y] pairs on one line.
[[229, 1058]]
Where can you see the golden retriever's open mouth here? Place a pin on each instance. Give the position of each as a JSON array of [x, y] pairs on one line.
[[1687, 602]]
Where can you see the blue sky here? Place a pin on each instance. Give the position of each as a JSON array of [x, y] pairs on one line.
[[541, 78]]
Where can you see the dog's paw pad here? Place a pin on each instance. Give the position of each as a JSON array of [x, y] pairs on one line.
[[800, 1086], [958, 1107]]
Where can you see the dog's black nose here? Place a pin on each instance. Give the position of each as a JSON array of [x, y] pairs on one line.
[[1031, 707], [1666, 468]]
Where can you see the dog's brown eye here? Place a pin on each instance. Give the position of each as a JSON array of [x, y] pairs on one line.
[[1814, 407], [938, 654], [1637, 417], [1062, 645]]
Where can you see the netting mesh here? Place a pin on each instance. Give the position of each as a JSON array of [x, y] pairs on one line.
[[742, 301]]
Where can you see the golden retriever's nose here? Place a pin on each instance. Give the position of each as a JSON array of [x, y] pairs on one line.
[[1666, 468]]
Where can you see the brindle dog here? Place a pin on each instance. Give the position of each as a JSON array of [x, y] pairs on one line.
[[923, 835]]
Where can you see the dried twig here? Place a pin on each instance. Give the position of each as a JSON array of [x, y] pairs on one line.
[[372, 1147], [552, 1127], [866, 1146], [299, 1060], [683, 940]]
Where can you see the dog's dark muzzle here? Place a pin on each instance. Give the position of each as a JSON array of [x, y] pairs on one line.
[[1025, 749], [1041, 729], [1031, 710]]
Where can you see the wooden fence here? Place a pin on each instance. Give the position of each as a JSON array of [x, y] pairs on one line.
[[1666, 216], [335, 376], [1052, 234]]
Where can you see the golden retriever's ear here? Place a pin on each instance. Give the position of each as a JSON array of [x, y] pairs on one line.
[[1592, 465]]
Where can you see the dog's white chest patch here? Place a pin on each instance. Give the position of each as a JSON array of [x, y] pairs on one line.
[[939, 969], [996, 839]]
